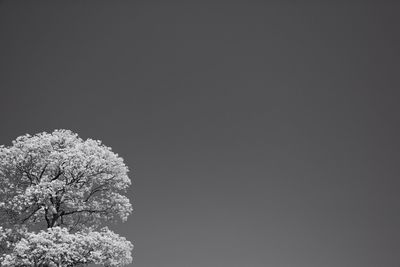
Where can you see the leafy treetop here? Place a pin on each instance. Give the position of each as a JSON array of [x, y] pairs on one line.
[[58, 180]]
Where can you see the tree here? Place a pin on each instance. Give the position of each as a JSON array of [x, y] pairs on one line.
[[57, 191]]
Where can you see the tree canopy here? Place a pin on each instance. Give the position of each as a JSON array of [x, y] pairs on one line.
[[57, 192]]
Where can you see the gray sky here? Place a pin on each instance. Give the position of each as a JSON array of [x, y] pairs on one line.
[[258, 133]]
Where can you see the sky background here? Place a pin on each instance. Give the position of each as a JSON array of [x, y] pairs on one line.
[[258, 133]]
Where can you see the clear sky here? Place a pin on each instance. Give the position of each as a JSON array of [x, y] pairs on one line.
[[258, 133]]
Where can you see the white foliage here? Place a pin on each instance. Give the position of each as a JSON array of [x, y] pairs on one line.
[[69, 186], [56, 246]]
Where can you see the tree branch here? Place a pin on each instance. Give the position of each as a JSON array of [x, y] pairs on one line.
[[97, 189], [85, 210], [42, 172], [30, 215], [58, 174]]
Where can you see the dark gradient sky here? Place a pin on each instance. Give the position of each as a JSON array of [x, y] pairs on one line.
[[259, 133]]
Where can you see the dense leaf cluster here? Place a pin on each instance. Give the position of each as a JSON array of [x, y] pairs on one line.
[[68, 188]]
